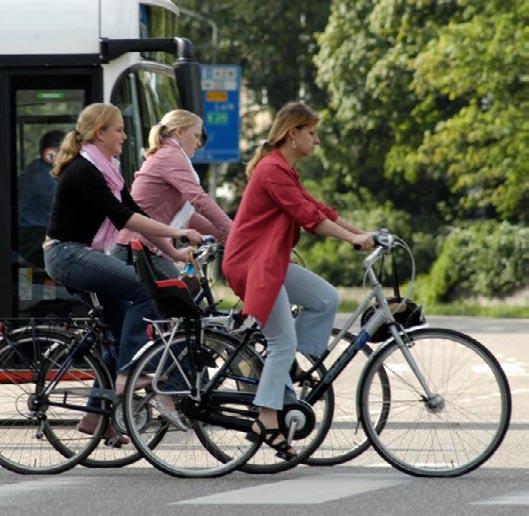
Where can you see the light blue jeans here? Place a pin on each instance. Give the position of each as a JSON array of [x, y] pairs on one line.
[[309, 332]]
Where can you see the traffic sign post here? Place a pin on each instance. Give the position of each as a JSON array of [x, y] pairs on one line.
[[220, 94]]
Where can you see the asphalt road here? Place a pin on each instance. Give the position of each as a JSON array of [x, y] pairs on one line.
[[364, 486]]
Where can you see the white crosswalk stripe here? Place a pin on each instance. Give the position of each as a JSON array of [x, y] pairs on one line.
[[11, 492], [308, 490], [516, 498]]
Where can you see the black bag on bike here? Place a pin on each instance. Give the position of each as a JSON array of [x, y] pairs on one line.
[[405, 311]]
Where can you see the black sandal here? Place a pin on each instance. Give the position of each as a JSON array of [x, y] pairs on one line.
[[267, 436]]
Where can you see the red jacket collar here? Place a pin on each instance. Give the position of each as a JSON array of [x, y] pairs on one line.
[[276, 156]]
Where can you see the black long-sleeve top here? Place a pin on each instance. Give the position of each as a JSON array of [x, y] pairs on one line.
[[82, 202]]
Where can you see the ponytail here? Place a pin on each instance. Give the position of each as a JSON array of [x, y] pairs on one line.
[[291, 115], [156, 135], [261, 152], [70, 147], [178, 118]]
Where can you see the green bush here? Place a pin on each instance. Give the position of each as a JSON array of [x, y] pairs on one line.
[[484, 258]]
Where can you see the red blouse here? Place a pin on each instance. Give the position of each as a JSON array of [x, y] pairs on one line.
[[266, 228]]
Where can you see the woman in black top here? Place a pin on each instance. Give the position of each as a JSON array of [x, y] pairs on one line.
[[91, 204]]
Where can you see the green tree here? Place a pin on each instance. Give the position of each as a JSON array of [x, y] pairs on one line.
[[480, 64], [274, 42], [427, 101], [365, 63]]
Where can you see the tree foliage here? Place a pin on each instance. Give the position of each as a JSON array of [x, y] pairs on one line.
[[428, 102]]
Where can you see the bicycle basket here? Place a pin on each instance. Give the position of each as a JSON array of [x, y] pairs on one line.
[[405, 311]]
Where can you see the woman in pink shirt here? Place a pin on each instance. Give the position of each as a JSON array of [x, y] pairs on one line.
[[168, 189]]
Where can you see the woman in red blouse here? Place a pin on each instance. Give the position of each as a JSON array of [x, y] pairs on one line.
[[257, 260]]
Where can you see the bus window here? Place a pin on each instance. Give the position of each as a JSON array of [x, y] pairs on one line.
[[158, 94], [125, 97], [42, 119]]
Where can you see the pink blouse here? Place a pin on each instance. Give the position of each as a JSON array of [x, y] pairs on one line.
[[162, 186]]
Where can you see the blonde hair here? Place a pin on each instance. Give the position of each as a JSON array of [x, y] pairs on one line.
[[290, 116], [92, 118], [178, 118]]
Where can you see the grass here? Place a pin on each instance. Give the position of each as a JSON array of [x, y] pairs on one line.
[[459, 308], [456, 308]]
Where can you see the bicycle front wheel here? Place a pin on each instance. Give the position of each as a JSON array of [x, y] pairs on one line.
[[190, 452], [457, 429]]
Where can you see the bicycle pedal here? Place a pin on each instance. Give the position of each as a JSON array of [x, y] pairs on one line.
[[113, 442]]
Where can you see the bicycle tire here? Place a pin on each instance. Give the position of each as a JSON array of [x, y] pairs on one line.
[[431, 441], [21, 450], [181, 446], [103, 456]]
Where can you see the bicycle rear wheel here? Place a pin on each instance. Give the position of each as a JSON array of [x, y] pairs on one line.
[[29, 437], [104, 454], [346, 438], [182, 452], [451, 433], [265, 460]]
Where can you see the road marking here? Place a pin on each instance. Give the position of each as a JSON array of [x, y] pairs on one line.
[[7, 491], [517, 498], [309, 490]]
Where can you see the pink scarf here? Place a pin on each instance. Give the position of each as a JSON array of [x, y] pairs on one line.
[[107, 233]]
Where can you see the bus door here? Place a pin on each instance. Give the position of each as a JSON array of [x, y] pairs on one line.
[[40, 106]]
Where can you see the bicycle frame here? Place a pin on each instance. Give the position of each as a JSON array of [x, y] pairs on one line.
[[196, 389], [382, 315]]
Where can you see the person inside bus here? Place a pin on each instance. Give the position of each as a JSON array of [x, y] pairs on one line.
[[91, 204], [168, 189], [36, 188], [257, 263]]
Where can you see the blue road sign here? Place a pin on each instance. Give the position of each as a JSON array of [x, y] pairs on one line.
[[220, 94]]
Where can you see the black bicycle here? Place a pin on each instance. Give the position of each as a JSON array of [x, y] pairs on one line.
[[210, 374]]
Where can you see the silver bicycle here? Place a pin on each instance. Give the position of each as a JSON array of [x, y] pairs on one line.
[[431, 401]]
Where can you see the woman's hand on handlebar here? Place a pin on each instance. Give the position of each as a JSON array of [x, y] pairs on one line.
[[362, 241], [188, 235]]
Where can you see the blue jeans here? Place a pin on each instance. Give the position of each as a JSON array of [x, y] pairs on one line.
[[80, 267], [163, 267], [309, 332]]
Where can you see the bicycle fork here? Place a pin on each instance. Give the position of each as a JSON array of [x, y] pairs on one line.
[[434, 402]]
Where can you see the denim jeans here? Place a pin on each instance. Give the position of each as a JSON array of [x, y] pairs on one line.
[[163, 267], [309, 332], [80, 267]]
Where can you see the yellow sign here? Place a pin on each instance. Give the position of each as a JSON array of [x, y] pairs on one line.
[[217, 96]]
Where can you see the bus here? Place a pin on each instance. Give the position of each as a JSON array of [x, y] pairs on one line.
[[57, 56]]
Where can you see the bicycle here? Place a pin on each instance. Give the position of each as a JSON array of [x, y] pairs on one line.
[[46, 377], [212, 392], [39, 334], [265, 460], [410, 414], [423, 426]]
